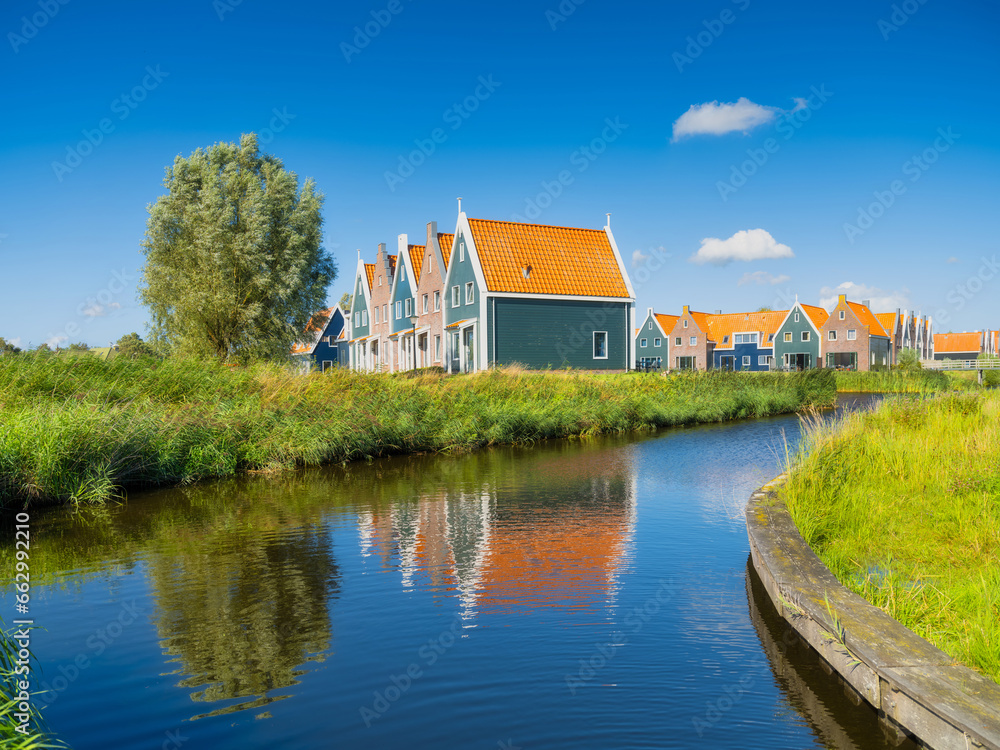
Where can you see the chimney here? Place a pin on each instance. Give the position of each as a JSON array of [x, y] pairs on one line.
[[649, 312], [385, 261], [686, 309], [718, 312], [460, 205], [608, 225], [867, 303], [841, 299], [403, 246], [432, 234]]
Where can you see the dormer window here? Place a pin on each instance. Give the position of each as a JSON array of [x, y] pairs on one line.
[[526, 272], [725, 339]]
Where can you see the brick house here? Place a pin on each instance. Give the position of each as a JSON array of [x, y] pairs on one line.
[[691, 347], [853, 338]]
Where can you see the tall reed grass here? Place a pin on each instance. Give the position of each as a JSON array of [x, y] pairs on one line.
[[902, 503], [80, 430], [900, 381], [37, 736]]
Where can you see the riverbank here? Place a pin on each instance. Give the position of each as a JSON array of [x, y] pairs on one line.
[[897, 381], [83, 430], [902, 504]]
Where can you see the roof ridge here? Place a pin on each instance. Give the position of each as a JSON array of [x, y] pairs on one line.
[[532, 224]]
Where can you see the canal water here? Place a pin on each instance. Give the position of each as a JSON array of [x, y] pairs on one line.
[[575, 594]]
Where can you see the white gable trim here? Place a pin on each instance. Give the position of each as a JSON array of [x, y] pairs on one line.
[[621, 264]]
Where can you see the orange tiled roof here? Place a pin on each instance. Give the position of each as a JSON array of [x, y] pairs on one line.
[[392, 266], [720, 326], [817, 315], [417, 259], [867, 319], [887, 321], [957, 342], [667, 322], [314, 329], [537, 259], [370, 271], [445, 241]]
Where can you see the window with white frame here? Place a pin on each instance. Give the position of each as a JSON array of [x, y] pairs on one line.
[[685, 324], [399, 309], [456, 299], [642, 343], [746, 360], [364, 317], [832, 336], [763, 360], [796, 317], [693, 341], [402, 272], [788, 337], [806, 336], [375, 315], [437, 301], [385, 311], [600, 344], [357, 318], [745, 338], [470, 293], [409, 306], [843, 314], [677, 341], [852, 334], [461, 252], [437, 348], [657, 342], [426, 303], [650, 327]]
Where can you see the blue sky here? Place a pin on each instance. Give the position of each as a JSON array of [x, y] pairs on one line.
[[809, 145]]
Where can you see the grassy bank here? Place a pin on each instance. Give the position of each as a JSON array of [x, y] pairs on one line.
[[897, 381], [903, 505], [80, 430]]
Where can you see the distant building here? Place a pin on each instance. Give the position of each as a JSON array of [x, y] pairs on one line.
[[322, 346], [854, 339], [799, 339], [959, 345]]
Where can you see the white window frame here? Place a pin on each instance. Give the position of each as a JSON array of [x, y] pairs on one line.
[[650, 328], [806, 336], [762, 359], [677, 341], [746, 360], [456, 296], [605, 335], [831, 336], [788, 337], [399, 309], [461, 251], [852, 334], [693, 341], [357, 318], [642, 343], [796, 317], [657, 342], [437, 348], [437, 301], [408, 304], [843, 315], [364, 318], [427, 304], [470, 293], [685, 324]]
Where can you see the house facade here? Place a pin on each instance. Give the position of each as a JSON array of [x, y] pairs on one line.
[[798, 343], [691, 346], [323, 346], [958, 346], [744, 341], [360, 320], [652, 341], [854, 339]]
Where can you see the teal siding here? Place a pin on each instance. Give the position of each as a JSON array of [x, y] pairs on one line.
[[557, 333], [460, 273], [796, 345], [358, 305], [651, 351], [402, 293]]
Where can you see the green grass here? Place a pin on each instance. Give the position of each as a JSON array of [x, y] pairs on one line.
[[37, 736], [903, 505], [80, 430], [899, 381]]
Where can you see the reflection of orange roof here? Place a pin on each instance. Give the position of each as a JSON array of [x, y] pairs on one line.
[[370, 270], [667, 322], [445, 241], [867, 319], [537, 259], [817, 315], [765, 323], [887, 321], [957, 342], [417, 259]]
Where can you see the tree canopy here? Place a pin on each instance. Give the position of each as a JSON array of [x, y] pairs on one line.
[[132, 346], [235, 265], [346, 301], [8, 348]]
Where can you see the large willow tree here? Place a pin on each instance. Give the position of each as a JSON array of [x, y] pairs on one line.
[[235, 265]]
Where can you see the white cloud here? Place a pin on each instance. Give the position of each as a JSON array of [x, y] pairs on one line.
[[638, 258], [953, 259], [713, 118], [96, 310], [54, 341], [762, 278], [15, 341], [746, 245], [881, 300]]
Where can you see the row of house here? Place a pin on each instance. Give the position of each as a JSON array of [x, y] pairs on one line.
[[495, 292], [803, 337]]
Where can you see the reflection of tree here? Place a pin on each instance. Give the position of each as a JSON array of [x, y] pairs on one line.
[[239, 612]]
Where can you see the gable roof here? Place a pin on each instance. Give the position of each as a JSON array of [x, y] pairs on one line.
[[416, 261], [445, 242], [887, 321], [817, 315], [957, 342], [370, 272], [866, 318], [667, 322], [538, 259], [766, 323]]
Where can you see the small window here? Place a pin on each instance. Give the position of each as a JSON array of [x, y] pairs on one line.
[[746, 361], [409, 306], [650, 325], [399, 309], [852, 334], [657, 342], [805, 336], [788, 336], [437, 348], [327, 365], [725, 339], [770, 338], [380, 281], [642, 343], [461, 252], [357, 319], [762, 360], [685, 324], [832, 336], [677, 341], [437, 301], [385, 311], [843, 314], [364, 317], [456, 299], [426, 304], [600, 344], [470, 293], [796, 317], [402, 272], [375, 315], [693, 341]]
